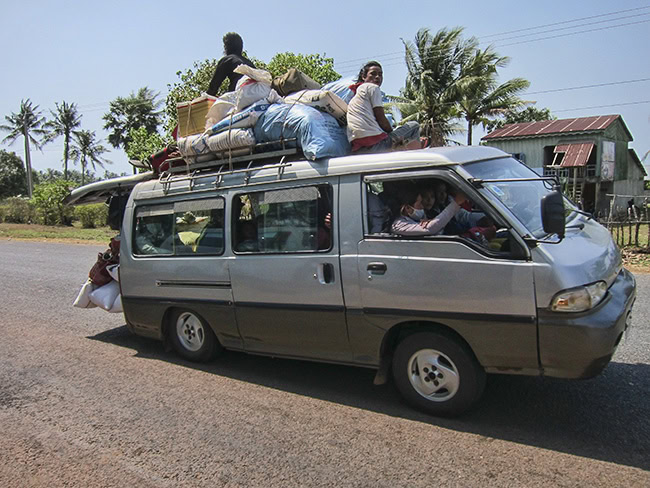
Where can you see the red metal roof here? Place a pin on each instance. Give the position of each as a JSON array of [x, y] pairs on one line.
[[547, 127], [575, 154]]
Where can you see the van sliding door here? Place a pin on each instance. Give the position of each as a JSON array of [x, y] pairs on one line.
[[285, 276]]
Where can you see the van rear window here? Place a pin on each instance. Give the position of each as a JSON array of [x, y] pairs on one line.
[[188, 228]]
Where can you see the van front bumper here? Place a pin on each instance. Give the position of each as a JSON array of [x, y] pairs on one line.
[[581, 345]]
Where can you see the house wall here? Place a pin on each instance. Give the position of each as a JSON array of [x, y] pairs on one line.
[[617, 134], [633, 184]]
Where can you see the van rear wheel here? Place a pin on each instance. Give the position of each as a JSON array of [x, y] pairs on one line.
[[438, 374], [192, 337]]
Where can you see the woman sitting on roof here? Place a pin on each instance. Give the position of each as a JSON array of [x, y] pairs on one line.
[[368, 127]]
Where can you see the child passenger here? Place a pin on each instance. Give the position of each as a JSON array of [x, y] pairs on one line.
[[368, 127]]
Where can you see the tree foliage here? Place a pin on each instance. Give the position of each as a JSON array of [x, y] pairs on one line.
[[195, 81], [318, 67], [192, 83], [65, 120], [12, 175], [141, 109], [449, 78], [88, 151], [144, 144], [28, 123], [48, 200], [516, 116]]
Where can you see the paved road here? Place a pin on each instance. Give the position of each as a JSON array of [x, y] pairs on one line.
[[85, 403]]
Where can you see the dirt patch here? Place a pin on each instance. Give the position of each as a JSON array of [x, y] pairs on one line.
[[636, 260]]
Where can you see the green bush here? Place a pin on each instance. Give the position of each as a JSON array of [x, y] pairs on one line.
[[17, 210], [92, 216], [48, 201]]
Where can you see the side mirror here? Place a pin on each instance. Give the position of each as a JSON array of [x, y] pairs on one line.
[[553, 216]]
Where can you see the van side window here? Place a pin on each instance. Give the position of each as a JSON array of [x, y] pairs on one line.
[[422, 207], [189, 228], [276, 221]]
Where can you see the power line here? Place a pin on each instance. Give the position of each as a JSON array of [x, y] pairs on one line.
[[402, 62], [586, 86], [566, 28], [574, 33], [603, 106], [381, 56], [567, 21]]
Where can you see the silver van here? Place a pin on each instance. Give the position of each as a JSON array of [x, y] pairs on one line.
[[286, 260]]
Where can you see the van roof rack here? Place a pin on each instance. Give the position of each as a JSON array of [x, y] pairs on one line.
[[230, 162], [257, 154]]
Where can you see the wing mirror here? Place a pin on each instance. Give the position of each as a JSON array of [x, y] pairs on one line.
[[553, 215]]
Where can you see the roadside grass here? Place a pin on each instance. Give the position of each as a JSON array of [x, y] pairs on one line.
[[625, 235], [75, 232]]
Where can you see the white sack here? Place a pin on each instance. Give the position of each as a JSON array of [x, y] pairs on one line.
[[252, 87], [83, 298], [323, 100], [204, 144], [220, 108], [105, 296], [117, 305], [113, 270]]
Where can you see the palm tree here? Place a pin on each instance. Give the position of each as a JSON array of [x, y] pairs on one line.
[[480, 96], [87, 150], [450, 77], [65, 121], [431, 94], [141, 109], [25, 123]]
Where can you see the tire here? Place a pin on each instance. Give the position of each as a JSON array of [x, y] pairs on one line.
[[437, 374], [192, 337]]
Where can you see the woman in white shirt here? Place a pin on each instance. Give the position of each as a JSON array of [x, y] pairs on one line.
[[412, 220]]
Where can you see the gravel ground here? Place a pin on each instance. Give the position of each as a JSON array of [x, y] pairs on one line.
[[85, 403]]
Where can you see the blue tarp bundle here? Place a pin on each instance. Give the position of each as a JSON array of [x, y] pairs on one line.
[[318, 134]]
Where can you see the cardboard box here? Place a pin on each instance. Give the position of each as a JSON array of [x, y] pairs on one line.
[[191, 115]]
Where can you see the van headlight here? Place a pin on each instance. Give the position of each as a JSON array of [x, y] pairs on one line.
[[579, 299]]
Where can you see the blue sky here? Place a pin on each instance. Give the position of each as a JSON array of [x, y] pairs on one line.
[[90, 53]]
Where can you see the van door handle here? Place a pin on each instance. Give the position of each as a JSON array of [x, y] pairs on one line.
[[377, 268], [324, 273]]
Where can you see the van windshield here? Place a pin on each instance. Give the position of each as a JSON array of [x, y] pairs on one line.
[[521, 197]]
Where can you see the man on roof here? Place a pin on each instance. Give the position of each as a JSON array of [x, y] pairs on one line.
[[233, 48]]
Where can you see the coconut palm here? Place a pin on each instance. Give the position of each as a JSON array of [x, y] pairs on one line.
[[141, 109], [27, 123], [434, 64], [88, 151], [451, 78], [65, 120], [482, 100], [480, 95]]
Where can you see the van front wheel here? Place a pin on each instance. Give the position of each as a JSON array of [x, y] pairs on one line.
[[437, 374], [192, 337]]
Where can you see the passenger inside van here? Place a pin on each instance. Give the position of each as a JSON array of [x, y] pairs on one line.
[[247, 233], [435, 198], [380, 206], [411, 218], [153, 234]]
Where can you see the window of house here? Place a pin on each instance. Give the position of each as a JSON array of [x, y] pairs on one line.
[[287, 220], [189, 228]]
